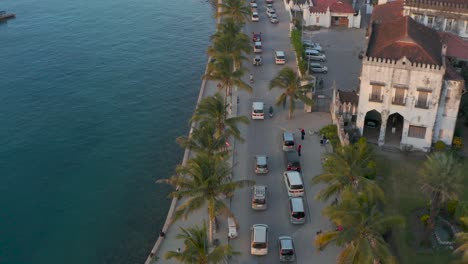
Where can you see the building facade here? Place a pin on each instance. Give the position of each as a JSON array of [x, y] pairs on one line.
[[409, 95], [331, 13]]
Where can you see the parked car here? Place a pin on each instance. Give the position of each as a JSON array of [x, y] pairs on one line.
[[258, 47], [296, 210], [292, 162], [259, 240], [270, 5], [253, 5], [315, 55], [270, 11], [259, 197], [274, 19], [255, 17], [286, 249], [312, 45], [317, 68], [256, 36], [293, 182], [261, 164], [280, 59], [269, 1], [257, 60]]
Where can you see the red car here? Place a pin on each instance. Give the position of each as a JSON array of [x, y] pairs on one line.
[[256, 37]]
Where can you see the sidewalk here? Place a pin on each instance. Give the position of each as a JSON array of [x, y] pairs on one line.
[[169, 242]]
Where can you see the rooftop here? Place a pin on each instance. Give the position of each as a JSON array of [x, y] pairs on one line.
[[456, 46], [387, 12], [336, 6], [405, 38]]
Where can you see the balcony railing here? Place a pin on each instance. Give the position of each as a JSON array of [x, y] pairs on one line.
[[376, 98], [399, 100], [422, 104]]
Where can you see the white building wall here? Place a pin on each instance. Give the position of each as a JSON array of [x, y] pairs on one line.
[[448, 111], [402, 73], [440, 19], [317, 19]]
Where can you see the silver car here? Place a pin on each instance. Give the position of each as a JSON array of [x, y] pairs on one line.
[[318, 68], [274, 19], [286, 249]]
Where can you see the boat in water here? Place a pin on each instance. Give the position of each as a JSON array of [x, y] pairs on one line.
[[4, 15]]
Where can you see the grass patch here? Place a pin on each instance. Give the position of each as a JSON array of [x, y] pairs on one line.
[[398, 177]]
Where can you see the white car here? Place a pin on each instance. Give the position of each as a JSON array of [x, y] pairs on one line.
[[253, 5], [274, 19], [270, 11], [255, 17], [270, 6]]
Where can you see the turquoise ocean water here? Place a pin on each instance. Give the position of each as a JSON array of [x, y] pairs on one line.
[[92, 97]]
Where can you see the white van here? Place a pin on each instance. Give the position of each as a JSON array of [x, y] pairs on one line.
[[287, 141], [259, 240], [279, 57], [293, 182], [296, 210], [258, 110]]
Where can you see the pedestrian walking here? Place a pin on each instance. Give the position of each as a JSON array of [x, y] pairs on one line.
[[299, 150], [162, 234], [302, 133], [178, 250]]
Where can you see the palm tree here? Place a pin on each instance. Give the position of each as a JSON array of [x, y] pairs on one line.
[[462, 238], [204, 139], [223, 70], [288, 80], [236, 10], [362, 229], [204, 180], [213, 109], [196, 248], [441, 178], [348, 166], [230, 46], [227, 27]]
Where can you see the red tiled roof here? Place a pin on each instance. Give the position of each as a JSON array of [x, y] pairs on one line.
[[320, 6], [387, 12], [456, 46], [348, 97], [440, 3], [341, 7], [405, 37]]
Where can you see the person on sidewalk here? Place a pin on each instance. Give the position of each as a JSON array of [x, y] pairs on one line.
[[302, 133], [299, 150]]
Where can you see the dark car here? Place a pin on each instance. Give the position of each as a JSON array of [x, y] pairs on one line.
[[256, 37], [292, 162]]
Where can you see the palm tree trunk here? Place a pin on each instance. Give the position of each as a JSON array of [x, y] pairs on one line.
[[210, 228]]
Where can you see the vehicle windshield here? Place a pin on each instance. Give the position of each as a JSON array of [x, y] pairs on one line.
[[296, 187], [289, 143], [259, 201], [259, 245], [262, 166], [287, 252], [258, 111], [298, 214]]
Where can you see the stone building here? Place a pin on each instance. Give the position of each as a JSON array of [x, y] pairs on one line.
[[409, 95], [441, 15], [330, 13]]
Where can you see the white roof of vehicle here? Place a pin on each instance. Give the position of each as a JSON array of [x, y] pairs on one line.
[[294, 177], [258, 43], [279, 53], [257, 105]]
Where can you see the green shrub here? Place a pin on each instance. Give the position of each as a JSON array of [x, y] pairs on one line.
[[371, 170], [457, 143], [331, 132], [424, 219], [302, 66], [462, 209], [452, 206], [440, 146]]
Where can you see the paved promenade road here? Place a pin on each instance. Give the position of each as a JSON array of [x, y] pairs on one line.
[[263, 137]]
